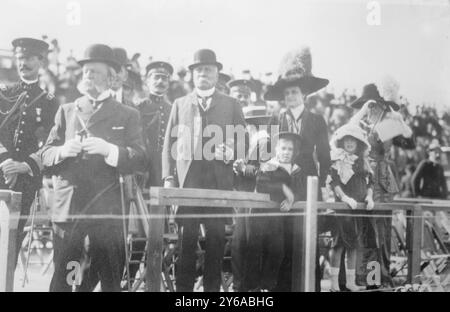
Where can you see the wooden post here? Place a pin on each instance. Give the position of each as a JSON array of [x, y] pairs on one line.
[[298, 247], [155, 245], [310, 235], [9, 218], [414, 242], [4, 242]]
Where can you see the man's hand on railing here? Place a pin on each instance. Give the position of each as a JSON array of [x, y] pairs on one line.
[[169, 182]]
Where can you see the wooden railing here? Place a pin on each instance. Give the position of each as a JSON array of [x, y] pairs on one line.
[[9, 218], [305, 231]]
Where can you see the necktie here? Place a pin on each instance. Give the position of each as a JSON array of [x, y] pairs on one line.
[[204, 103]]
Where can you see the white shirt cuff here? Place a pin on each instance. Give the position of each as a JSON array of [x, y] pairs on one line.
[[113, 157]]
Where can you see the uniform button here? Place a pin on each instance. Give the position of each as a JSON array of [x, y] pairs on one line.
[[20, 141], [23, 122], [17, 149], [21, 131], [24, 113]]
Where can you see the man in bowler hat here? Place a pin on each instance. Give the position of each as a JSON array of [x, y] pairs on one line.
[[94, 140], [191, 168]]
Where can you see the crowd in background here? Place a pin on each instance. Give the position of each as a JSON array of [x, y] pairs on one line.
[[427, 122]]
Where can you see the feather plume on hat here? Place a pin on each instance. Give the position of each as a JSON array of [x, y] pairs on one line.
[[296, 63], [295, 70], [389, 88]]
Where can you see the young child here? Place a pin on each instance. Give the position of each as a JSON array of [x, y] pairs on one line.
[[351, 182], [285, 182]]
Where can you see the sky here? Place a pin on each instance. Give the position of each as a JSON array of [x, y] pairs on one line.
[[353, 42]]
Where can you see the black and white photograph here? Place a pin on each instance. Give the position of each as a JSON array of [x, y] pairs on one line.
[[225, 147]]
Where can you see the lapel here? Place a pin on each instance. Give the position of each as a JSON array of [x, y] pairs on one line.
[[107, 109], [305, 117], [214, 99]]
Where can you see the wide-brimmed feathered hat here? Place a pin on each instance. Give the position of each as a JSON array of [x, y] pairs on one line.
[[352, 130], [370, 92], [296, 70]]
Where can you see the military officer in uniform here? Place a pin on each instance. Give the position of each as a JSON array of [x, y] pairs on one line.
[[241, 90], [155, 113], [26, 117]]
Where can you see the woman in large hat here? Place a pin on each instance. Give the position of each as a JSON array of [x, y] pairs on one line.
[[296, 82], [384, 125]]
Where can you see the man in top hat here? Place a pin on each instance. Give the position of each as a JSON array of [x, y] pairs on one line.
[[429, 180], [94, 140], [26, 117], [241, 90], [122, 78], [203, 111], [296, 82]]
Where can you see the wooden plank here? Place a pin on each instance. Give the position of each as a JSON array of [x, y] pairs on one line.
[[311, 234], [186, 193], [155, 249], [414, 230]]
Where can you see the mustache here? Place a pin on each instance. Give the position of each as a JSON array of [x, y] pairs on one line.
[[24, 67]]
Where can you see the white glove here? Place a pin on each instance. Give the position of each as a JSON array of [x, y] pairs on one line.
[[350, 201], [71, 148], [93, 145]]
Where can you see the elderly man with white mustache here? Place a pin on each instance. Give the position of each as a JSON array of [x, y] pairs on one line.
[[95, 139]]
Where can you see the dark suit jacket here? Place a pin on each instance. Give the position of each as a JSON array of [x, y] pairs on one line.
[[87, 185], [314, 138], [184, 129]]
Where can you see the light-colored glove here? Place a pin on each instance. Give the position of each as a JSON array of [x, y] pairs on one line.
[[350, 202], [370, 203], [71, 148], [169, 182], [11, 167], [96, 146]]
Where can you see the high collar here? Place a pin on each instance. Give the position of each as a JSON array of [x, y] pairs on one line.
[[28, 84], [273, 164], [156, 97], [102, 96], [297, 111], [205, 93]]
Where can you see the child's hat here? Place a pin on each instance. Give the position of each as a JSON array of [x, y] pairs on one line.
[[352, 130], [294, 137]]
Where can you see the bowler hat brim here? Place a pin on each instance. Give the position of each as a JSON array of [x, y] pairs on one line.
[[308, 85], [218, 64], [258, 120], [113, 64]]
